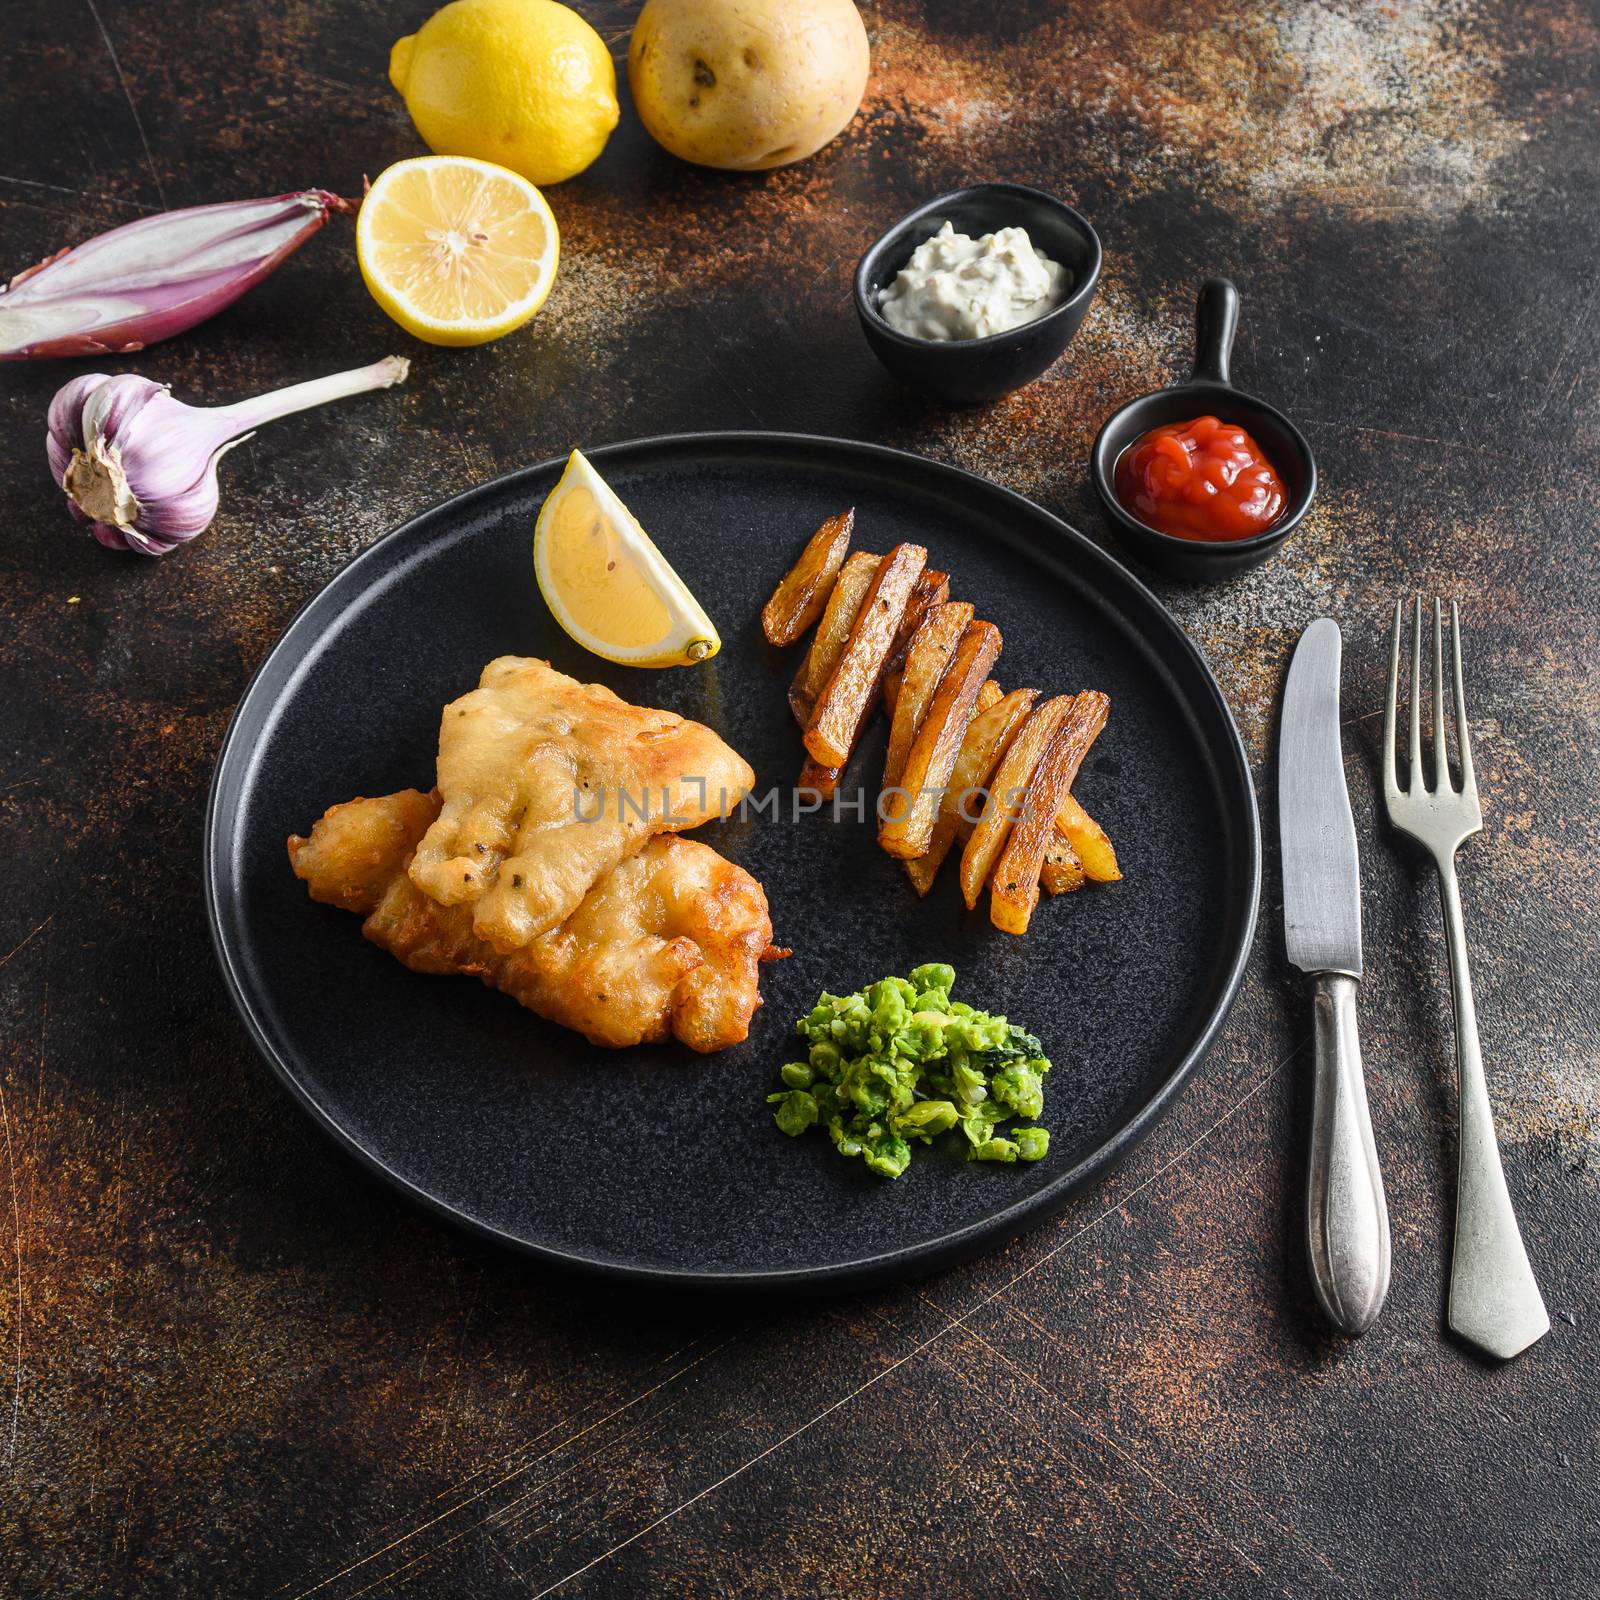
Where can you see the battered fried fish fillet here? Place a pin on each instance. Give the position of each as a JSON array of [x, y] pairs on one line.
[[667, 941], [548, 783]]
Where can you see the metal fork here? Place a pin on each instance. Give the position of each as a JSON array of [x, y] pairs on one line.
[[1494, 1301]]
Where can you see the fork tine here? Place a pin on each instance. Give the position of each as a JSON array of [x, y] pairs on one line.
[[1391, 784], [1469, 783], [1417, 782], [1441, 753]]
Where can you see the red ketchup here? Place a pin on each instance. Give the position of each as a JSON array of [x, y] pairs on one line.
[[1204, 479]]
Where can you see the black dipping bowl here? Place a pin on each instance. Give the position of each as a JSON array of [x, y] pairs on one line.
[[1207, 393], [968, 371]]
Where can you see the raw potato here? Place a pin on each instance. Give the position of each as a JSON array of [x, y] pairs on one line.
[[747, 84], [803, 590]]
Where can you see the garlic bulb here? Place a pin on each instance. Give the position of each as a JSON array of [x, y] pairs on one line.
[[141, 468]]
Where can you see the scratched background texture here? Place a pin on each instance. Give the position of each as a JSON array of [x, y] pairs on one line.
[[230, 1363]]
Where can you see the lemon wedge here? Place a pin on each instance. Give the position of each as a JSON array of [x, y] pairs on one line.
[[458, 251], [608, 585]]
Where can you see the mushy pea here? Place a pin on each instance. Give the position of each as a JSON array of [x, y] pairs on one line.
[[900, 1061]]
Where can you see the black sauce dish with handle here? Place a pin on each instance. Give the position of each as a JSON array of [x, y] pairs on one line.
[[1209, 392], [970, 371]]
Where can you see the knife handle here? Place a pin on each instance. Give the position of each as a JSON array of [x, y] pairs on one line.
[[1347, 1219]]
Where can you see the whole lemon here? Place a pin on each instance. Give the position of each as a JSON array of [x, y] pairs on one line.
[[527, 84]]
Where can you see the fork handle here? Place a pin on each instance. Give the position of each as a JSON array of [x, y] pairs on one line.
[[1347, 1219], [1494, 1301]]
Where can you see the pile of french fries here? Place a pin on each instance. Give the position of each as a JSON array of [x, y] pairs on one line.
[[968, 763]]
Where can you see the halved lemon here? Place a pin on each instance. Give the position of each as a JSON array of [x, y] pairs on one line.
[[458, 251], [608, 585]]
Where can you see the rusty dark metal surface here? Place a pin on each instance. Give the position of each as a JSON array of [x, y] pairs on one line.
[[229, 1363]]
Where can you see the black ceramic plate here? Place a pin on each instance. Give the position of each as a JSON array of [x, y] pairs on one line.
[[654, 1163]]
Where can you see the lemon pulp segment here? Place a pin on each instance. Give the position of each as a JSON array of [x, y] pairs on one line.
[[605, 592], [456, 250], [607, 584]]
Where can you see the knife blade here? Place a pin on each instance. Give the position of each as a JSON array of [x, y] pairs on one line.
[[1347, 1216], [1321, 866]]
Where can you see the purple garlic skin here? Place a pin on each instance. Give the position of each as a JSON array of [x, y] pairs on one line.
[[140, 468], [106, 434], [154, 278]]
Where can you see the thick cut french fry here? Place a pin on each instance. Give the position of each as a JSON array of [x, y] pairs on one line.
[[799, 700], [985, 742], [803, 591], [990, 694], [932, 646], [838, 617], [842, 707], [932, 589], [1014, 888], [1089, 842], [1006, 790], [821, 781], [906, 820], [921, 870], [1062, 872]]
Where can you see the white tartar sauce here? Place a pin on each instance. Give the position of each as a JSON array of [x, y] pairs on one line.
[[956, 287]]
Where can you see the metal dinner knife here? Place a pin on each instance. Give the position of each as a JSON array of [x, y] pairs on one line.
[[1347, 1218]]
